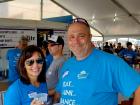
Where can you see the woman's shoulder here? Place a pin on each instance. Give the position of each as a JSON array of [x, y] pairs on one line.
[[14, 86], [12, 94]]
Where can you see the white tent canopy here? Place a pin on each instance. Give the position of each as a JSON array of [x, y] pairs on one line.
[[108, 18]]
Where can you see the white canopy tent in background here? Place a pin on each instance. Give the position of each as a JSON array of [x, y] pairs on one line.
[[33, 10], [109, 18]]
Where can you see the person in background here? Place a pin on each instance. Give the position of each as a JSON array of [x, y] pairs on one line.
[[55, 46], [12, 56], [128, 54], [92, 76], [107, 48], [48, 56], [137, 50], [119, 48], [31, 87]]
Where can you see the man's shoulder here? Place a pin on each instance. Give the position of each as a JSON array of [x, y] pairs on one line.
[[125, 50], [12, 53], [102, 55], [69, 61], [13, 50], [9, 50]]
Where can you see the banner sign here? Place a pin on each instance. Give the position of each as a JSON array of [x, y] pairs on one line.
[[10, 37]]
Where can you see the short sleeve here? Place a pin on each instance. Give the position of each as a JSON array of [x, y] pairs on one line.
[[126, 79], [11, 96]]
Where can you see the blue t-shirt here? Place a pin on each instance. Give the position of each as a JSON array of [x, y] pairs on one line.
[[49, 59], [13, 57], [130, 55], [22, 94], [96, 80]]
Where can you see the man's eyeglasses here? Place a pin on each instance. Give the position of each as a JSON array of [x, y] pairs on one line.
[[80, 20], [32, 61]]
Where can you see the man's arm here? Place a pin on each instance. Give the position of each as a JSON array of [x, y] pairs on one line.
[[137, 97], [51, 92], [56, 98]]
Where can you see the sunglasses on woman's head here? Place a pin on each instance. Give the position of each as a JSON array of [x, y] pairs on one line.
[[32, 61], [80, 20]]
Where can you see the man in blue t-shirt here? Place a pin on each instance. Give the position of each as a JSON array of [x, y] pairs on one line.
[[93, 77], [128, 54], [12, 56]]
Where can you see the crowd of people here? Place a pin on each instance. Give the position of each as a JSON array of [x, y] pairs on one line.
[[130, 55], [89, 77]]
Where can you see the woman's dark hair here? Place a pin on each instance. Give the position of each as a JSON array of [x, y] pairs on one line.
[[26, 54]]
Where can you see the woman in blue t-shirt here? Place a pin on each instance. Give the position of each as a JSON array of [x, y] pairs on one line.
[[31, 87]]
